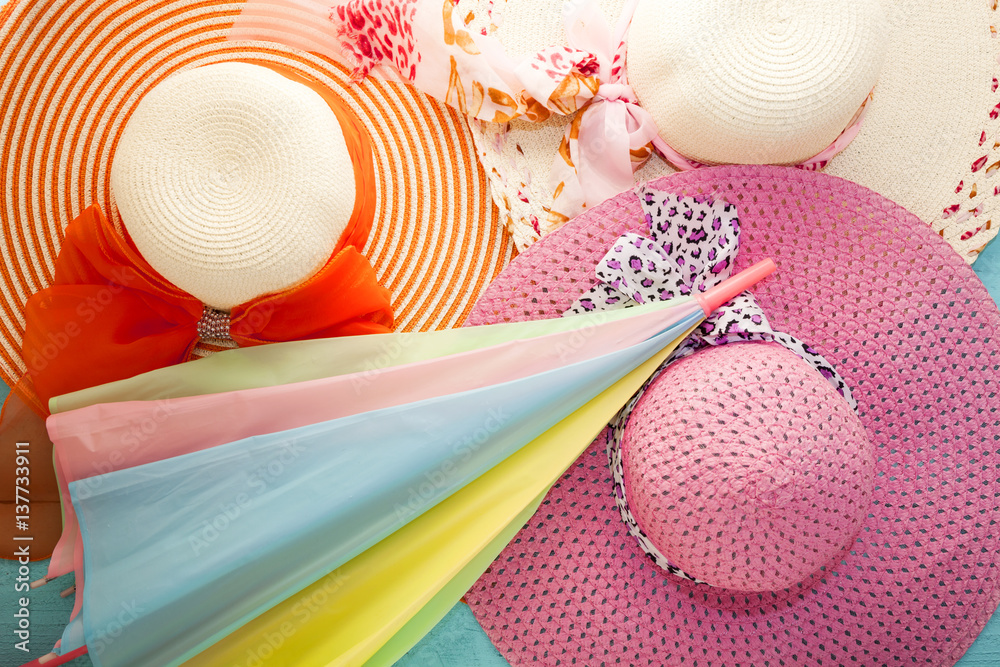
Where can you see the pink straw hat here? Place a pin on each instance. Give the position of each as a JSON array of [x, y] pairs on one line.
[[798, 531]]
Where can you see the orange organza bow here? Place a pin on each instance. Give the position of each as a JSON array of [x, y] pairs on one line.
[[109, 315]]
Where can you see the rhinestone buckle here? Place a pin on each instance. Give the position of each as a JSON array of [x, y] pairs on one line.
[[214, 325]]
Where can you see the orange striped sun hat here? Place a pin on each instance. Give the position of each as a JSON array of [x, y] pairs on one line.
[[73, 71]]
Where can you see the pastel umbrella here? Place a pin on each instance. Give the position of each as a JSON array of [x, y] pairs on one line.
[[266, 366], [322, 504], [101, 438], [377, 605], [98, 439]]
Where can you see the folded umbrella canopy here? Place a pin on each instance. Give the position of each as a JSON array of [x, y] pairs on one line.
[[206, 541], [98, 439], [289, 507], [101, 438]]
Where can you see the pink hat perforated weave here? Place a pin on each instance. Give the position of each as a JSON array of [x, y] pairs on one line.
[[913, 332]]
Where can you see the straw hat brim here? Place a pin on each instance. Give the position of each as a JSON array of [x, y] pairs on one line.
[[70, 74], [912, 330], [929, 141]]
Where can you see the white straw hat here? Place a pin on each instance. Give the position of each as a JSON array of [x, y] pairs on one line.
[[233, 181], [754, 82], [928, 139]]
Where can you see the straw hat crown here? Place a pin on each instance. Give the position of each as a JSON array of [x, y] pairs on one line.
[[746, 468], [772, 82], [233, 181]]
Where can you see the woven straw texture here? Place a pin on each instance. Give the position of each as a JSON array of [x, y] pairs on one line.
[[746, 468], [913, 332], [253, 198], [754, 82], [71, 72], [930, 140]]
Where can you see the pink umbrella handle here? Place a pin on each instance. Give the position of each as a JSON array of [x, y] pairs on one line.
[[712, 298]]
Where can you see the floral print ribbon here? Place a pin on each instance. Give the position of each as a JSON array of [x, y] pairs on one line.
[[601, 147], [692, 245]]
